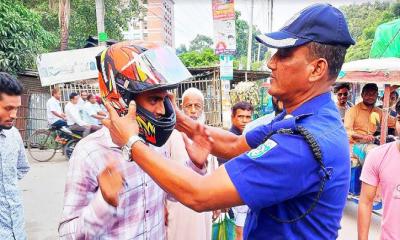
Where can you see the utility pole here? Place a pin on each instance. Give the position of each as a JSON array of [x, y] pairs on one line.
[[100, 20], [271, 14], [250, 38]]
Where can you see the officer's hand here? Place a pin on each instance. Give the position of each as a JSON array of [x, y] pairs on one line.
[[110, 182], [198, 149], [121, 128]]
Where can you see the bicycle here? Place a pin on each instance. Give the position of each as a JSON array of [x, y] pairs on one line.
[[44, 143]]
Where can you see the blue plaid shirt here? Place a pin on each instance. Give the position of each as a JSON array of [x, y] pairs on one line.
[[13, 167]]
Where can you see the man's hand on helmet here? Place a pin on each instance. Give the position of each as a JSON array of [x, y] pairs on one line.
[[121, 128]]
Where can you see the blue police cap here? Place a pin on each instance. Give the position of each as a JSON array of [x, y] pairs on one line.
[[320, 23]]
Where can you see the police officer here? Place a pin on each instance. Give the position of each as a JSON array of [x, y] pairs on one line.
[[292, 173]]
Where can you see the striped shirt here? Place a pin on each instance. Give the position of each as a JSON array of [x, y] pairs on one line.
[[86, 215]]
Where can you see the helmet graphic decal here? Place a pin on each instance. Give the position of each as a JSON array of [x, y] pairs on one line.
[[147, 129]]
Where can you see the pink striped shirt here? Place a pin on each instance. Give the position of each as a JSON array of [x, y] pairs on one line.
[[86, 215]]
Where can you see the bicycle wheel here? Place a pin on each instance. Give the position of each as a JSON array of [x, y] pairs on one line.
[[69, 148], [42, 145]]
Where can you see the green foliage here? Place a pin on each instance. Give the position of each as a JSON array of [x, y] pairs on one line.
[[203, 58], [200, 42], [242, 36], [21, 37], [83, 19], [363, 20]]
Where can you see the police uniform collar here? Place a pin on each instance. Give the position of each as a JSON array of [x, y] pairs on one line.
[[312, 105]]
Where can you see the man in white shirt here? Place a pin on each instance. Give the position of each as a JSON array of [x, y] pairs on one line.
[[83, 98], [74, 119], [92, 113], [55, 115]]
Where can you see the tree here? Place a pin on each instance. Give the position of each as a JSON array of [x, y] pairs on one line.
[[363, 20], [242, 34], [64, 11], [200, 42], [203, 58], [21, 37], [83, 18]]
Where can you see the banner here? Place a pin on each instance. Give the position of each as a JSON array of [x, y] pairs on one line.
[[223, 9], [226, 67], [67, 66], [224, 26]]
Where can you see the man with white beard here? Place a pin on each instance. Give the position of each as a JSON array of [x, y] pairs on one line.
[[182, 222]]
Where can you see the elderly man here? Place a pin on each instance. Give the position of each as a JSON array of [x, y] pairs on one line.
[[291, 172], [13, 160], [362, 121], [182, 222]]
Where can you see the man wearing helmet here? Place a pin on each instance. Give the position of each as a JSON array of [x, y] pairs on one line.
[[106, 195]]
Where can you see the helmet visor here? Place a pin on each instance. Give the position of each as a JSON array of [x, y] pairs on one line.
[[162, 64]]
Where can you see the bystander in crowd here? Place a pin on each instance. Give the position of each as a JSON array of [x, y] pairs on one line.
[[13, 161], [362, 121], [182, 222], [342, 91], [92, 112], [381, 173], [74, 118]]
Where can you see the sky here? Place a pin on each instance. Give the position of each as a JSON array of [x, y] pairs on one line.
[[194, 17]]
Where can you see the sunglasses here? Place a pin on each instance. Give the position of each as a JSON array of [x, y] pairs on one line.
[[343, 94]]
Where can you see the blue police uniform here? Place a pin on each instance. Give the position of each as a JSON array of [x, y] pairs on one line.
[[281, 177]]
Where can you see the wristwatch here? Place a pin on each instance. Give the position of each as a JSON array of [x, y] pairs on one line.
[[126, 149]]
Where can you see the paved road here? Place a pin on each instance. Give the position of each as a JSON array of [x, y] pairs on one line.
[[43, 193], [43, 190]]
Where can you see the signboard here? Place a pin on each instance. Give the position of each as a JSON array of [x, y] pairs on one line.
[[224, 36], [67, 66], [223, 9], [226, 67], [224, 26], [226, 104], [102, 36]]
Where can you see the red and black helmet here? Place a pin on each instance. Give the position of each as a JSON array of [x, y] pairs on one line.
[[126, 69]]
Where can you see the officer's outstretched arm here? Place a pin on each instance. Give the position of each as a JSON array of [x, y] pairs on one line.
[[200, 193], [226, 144]]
